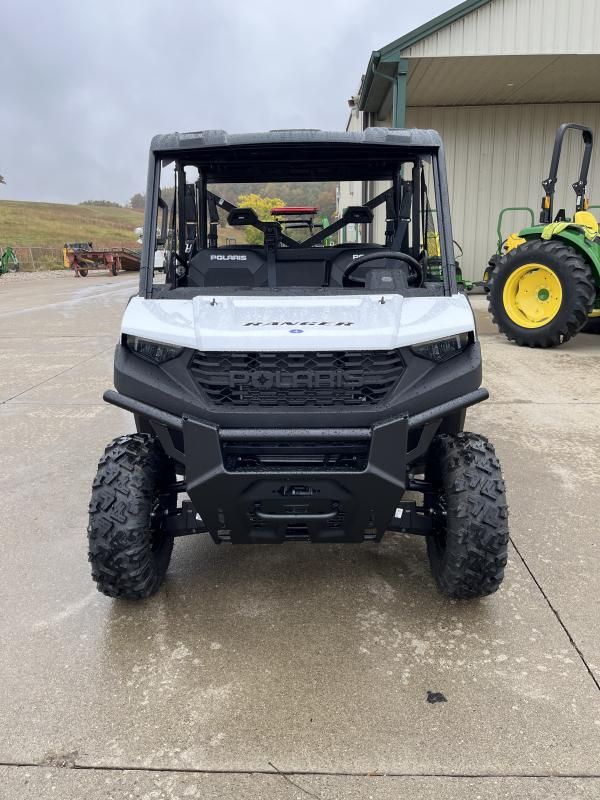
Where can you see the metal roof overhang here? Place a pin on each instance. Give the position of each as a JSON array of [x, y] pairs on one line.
[[489, 80], [474, 80], [503, 80], [379, 61]]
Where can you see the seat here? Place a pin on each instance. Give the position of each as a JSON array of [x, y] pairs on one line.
[[587, 220]]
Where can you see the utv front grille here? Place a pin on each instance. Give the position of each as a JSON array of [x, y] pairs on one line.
[[297, 456], [297, 379]]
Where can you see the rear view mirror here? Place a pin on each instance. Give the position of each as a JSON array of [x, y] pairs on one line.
[[360, 215]]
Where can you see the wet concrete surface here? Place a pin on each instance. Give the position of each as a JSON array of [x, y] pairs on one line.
[[296, 659]]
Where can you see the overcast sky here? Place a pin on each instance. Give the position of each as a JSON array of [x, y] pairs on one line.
[[84, 84]]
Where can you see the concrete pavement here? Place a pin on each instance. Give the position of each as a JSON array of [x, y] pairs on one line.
[[312, 662]]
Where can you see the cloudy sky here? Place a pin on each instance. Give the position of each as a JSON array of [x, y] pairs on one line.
[[84, 84]]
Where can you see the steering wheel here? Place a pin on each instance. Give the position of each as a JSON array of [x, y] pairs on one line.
[[347, 278]]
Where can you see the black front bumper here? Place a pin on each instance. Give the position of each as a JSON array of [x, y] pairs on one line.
[[270, 505], [267, 485]]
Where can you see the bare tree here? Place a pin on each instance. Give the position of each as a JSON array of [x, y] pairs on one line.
[[2, 179]]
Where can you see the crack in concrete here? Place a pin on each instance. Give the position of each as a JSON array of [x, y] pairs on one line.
[[274, 771], [59, 336], [288, 779], [24, 403], [557, 615], [57, 375], [541, 403], [108, 291]]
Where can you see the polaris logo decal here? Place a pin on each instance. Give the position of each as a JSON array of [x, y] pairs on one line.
[[228, 258], [309, 379], [296, 324]]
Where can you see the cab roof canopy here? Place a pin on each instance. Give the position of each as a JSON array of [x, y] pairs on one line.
[[302, 155]]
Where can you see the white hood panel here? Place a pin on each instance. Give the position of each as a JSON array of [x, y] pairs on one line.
[[300, 323]]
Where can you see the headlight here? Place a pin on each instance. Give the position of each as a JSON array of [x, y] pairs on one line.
[[442, 349], [155, 352]]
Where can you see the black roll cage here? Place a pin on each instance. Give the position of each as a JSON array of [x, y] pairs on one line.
[[405, 201], [214, 202]]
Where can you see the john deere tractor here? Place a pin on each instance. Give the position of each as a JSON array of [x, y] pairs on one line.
[[545, 286]]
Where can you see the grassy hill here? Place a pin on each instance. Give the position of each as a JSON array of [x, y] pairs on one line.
[[53, 224]]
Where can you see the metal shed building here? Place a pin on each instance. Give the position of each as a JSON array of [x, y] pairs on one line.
[[495, 78]]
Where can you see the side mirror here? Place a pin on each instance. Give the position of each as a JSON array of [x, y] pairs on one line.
[[243, 216], [162, 222]]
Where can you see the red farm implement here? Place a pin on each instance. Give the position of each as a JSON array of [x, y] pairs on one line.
[[82, 257]]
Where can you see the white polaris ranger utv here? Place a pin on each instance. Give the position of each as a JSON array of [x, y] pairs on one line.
[[297, 387]]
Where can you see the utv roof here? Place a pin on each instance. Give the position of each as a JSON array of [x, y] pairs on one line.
[[411, 138], [300, 155]]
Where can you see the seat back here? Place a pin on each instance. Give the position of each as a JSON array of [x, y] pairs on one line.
[[228, 266], [246, 266], [302, 267], [587, 219]]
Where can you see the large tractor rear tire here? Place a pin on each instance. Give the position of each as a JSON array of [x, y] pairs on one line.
[[592, 326], [541, 293]]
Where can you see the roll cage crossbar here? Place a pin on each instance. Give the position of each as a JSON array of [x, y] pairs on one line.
[[185, 197], [353, 214], [580, 185]]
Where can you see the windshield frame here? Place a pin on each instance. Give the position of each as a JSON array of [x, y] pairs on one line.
[[180, 159]]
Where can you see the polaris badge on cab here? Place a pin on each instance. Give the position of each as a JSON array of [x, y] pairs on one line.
[[294, 381]]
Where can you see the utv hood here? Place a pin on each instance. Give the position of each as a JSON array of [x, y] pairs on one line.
[[280, 322]]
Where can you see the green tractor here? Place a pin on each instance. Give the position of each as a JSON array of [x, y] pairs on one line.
[[8, 260], [504, 245], [544, 285]]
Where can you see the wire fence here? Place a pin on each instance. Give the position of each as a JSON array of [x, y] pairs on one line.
[[38, 259]]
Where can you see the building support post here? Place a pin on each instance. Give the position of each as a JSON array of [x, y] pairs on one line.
[[399, 95]]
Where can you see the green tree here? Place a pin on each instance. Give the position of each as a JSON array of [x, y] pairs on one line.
[[262, 206], [137, 201]]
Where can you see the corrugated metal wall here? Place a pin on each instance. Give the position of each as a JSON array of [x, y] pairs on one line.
[[518, 27], [497, 156]]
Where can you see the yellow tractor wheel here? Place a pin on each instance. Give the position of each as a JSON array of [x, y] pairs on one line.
[[541, 293], [532, 295]]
